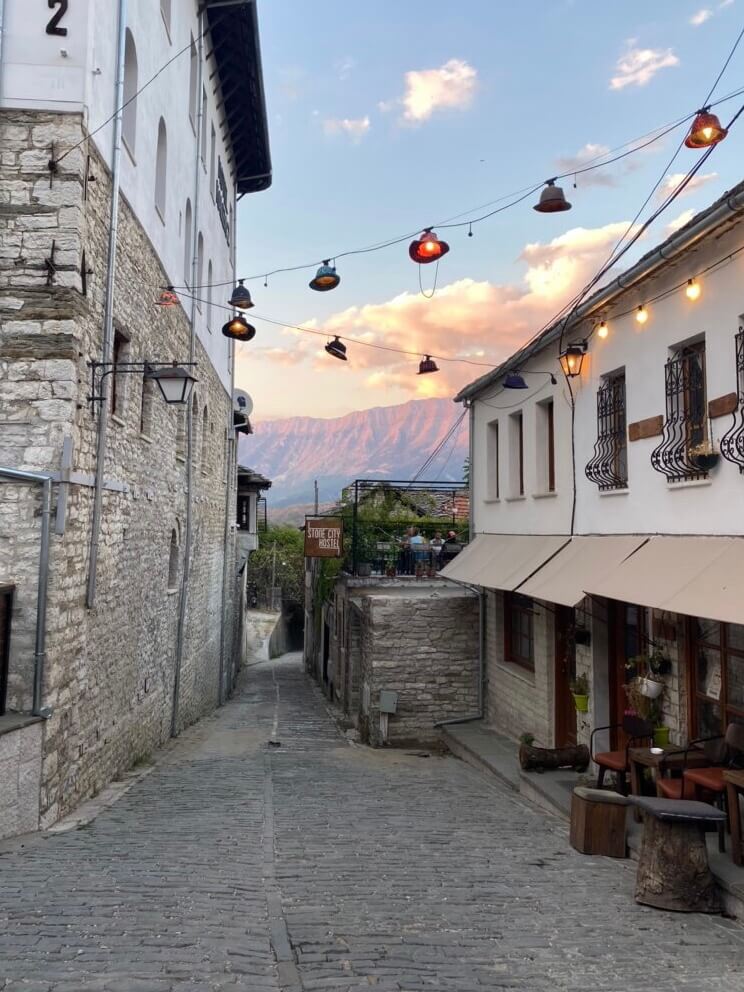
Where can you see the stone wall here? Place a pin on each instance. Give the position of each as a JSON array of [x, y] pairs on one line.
[[110, 670]]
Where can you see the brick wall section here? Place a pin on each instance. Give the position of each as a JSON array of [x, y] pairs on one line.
[[109, 674]]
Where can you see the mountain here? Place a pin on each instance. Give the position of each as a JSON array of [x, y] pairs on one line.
[[388, 442]]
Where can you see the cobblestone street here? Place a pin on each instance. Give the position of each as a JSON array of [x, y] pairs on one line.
[[321, 865]]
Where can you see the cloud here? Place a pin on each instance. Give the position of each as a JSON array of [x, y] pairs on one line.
[[451, 86], [586, 156], [638, 66], [354, 128], [725, 3], [684, 218], [673, 179], [701, 17]]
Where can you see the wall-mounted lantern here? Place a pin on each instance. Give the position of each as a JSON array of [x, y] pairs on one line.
[[174, 380], [572, 359]]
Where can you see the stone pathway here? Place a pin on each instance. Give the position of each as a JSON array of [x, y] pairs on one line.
[[322, 866]]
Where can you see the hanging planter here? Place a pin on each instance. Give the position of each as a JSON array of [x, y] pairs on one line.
[[650, 688], [704, 456]]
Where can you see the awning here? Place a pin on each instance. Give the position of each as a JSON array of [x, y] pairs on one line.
[[698, 576], [502, 561], [579, 566]]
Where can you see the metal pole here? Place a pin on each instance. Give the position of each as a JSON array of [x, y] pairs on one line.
[[108, 309], [188, 528]]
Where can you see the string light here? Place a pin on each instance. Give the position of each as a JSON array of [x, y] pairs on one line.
[[427, 365], [641, 315], [427, 248], [692, 291], [326, 278], [552, 199], [241, 297], [706, 130], [603, 330], [337, 349], [239, 329]]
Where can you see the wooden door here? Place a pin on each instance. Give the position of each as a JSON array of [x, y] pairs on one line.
[[627, 639], [565, 672]]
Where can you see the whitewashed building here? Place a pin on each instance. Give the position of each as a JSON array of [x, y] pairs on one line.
[[608, 505], [129, 130]]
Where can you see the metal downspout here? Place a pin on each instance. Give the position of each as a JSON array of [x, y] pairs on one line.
[[188, 528], [45, 481], [108, 311]]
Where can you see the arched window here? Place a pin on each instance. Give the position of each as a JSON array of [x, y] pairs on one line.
[[173, 562], [161, 170], [210, 308], [129, 114], [187, 244], [194, 427], [199, 287], [205, 440]]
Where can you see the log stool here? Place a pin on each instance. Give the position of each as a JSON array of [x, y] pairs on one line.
[[598, 822], [673, 870]]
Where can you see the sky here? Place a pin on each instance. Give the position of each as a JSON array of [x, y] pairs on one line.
[[390, 117]]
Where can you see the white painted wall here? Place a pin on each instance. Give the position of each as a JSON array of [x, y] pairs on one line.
[[650, 504], [36, 75]]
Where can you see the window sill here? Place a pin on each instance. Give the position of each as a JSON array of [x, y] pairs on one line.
[[172, 592], [603, 493], [117, 420], [17, 721], [692, 484], [515, 499], [145, 437], [517, 671], [549, 495]]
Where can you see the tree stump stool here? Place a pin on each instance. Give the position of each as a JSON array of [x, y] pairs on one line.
[[598, 822], [673, 870], [542, 759]]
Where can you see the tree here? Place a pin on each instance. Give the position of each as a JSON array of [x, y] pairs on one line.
[[281, 557]]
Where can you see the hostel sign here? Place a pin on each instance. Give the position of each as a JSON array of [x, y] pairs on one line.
[[324, 537]]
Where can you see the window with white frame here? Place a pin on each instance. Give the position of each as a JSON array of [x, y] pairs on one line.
[[129, 112], [516, 454], [493, 487], [161, 170]]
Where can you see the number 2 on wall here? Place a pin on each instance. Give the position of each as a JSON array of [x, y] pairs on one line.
[[53, 25]]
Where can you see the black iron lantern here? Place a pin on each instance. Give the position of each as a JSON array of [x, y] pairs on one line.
[[337, 349], [175, 383], [572, 359], [325, 278], [239, 329], [426, 365], [241, 298]]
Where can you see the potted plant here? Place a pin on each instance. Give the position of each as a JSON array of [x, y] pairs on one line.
[[580, 692], [705, 455], [646, 673]]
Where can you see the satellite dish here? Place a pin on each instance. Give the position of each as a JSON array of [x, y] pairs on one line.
[[242, 402]]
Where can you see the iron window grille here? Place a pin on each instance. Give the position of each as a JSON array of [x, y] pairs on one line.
[[685, 424], [732, 442], [608, 466]]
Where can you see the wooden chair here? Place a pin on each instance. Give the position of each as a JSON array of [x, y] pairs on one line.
[[637, 731]]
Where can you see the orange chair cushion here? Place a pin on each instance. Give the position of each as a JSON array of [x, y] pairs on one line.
[[706, 778], [616, 760], [671, 788]]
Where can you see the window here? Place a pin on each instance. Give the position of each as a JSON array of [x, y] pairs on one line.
[[213, 164], [686, 420], [173, 563], [193, 73], [205, 440], [203, 149], [161, 170], [187, 246], [732, 442], [221, 194], [199, 286], [244, 511], [119, 382], [516, 454], [519, 642], [492, 460], [717, 676], [608, 466], [129, 113], [6, 613], [165, 10], [210, 307], [545, 447], [146, 409]]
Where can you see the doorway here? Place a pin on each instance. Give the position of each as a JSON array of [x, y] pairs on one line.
[[565, 672], [628, 637]]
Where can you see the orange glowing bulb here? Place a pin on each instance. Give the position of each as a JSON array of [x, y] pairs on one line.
[[693, 289], [603, 330], [642, 315]]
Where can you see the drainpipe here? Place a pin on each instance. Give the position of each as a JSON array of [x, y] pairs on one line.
[[45, 481], [108, 309], [188, 528]]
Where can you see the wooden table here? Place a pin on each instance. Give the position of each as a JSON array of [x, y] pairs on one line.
[[734, 788], [672, 758]]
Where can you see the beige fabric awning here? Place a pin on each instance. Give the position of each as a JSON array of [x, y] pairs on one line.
[[577, 567], [698, 576], [502, 561]]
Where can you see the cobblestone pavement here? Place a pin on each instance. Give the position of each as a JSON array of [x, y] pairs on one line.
[[323, 866]]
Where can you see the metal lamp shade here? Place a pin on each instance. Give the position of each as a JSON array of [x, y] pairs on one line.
[[572, 359], [325, 278], [514, 381], [175, 383], [241, 298], [552, 200], [167, 298], [706, 130], [426, 365], [427, 248], [239, 329], [337, 349]]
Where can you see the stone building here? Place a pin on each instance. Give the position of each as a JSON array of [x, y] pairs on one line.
[[119, 592]]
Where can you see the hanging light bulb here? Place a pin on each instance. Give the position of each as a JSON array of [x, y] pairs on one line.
[[641, 315], [706, 130], [552, 199], [325, 278], [337, 348], [692, 290], [426, 365], [167, 298], [603, 330], [239, 329], [241, 298], [427, 248]]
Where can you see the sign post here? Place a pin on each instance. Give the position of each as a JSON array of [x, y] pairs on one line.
[[324, 537]]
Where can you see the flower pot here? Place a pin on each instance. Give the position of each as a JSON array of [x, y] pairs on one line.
[[582, 703], [661, 736], [705, 461], [650, 689]]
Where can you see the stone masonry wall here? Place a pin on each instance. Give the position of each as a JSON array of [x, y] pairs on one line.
[[424, 646], [110, 670]]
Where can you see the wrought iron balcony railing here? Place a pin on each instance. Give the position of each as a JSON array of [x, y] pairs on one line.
[[732, 442], [608, 466], [686, 420]]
